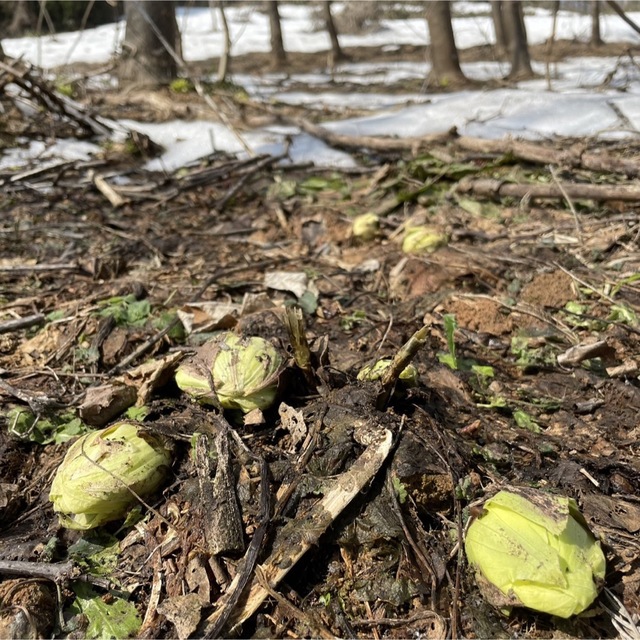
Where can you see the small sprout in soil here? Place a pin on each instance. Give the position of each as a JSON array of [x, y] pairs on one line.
[[423, 240], [238, 373], [533, 549], [365, 226], [408, 376], [450, 326], [104, 473]]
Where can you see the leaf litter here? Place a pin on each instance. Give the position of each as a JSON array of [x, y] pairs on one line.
[[352, 497]]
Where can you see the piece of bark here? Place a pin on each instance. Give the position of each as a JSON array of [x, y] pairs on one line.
[[104, 403], [585, 351], [221, 519]]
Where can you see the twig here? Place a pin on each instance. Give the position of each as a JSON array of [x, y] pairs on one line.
[[569, 201], [22, 323]]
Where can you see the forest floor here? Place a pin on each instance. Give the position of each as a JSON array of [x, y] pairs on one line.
[[528, 377]]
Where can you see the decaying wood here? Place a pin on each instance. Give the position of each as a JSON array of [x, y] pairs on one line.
[[491, 188], [300, 534], [221, 519], [33, 320]]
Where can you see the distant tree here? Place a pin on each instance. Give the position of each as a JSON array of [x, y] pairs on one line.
[[24, 18], [596, 35], [499, 28], [508, 19], [278, 53], [517, 39], [445, 64], [337, 54], [151, 34], [225, 57]]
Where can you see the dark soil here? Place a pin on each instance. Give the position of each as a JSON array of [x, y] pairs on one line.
[[525, 281]]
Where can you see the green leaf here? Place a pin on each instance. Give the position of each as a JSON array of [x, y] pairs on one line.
[[450, 326], [137, 413], [525, 421], [400, 489], [107, 621], [308, 302], [97, 551], [57, 429], [623, 314]]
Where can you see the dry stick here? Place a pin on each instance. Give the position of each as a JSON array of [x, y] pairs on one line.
[[57, 572], [402, 358], [265, 162], [300, 534], [317, 629], [489, 187], [620, 11], [531, 152], [22, 323], [569, 201]]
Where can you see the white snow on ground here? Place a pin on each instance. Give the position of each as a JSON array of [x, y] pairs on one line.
[[579, 97]]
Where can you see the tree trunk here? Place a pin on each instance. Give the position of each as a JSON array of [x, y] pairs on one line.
[[517, 40], [336, 50], [152, 32], [23, 19], [596, 36], [278, 54], [225, 58], [445, 65], [498, 26]]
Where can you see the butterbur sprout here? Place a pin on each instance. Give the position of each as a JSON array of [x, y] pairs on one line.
[[533, 549], [365, 226], [104, 472], [423, 240], [239, 373], [408, 376]]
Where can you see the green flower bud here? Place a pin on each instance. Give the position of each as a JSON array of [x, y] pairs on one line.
[[365, 226], [533, 549], [408, 376], [244, 373], [423, 240], [95, 481]]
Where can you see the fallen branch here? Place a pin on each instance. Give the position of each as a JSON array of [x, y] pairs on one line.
[[301, 533], [491, 188]]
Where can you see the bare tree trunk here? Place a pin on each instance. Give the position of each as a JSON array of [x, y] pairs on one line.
[[517, 39], [337, 54], [445, 65], [279, 55], [2, 56], [225, 58], [596, 36], [23, 19], [498, 26], [151, 31]]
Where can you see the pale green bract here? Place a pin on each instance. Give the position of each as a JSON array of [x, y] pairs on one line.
[[244, 373], [408, 376], [533, 549], [423, 240], [95, 481], [365, 226]]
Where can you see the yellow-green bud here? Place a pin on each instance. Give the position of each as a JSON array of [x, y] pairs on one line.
[[533, 549], [244, 373], [102, 471], [365, 226], [423, 240], [408, 376]]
